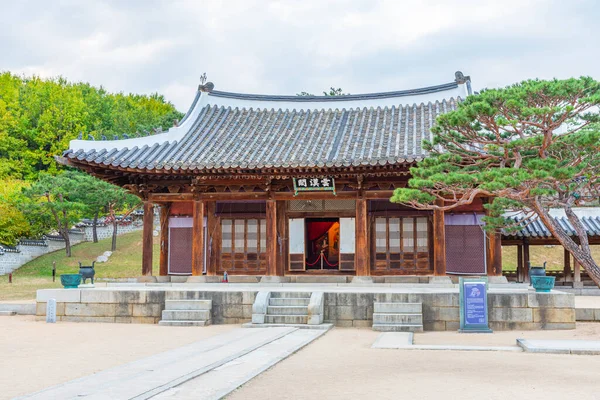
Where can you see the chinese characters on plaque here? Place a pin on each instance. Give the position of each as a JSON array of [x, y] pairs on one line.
[[309, 184]]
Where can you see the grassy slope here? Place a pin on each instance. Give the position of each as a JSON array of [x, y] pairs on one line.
[[37, 274], [538, 254]]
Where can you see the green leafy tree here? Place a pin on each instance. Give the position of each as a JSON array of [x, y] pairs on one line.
[[55, 196], [38, 118], [529, 147]]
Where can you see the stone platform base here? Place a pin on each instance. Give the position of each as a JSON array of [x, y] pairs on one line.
[[345, 305]]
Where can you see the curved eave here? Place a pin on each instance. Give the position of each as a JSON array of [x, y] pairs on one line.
[[339, 169]]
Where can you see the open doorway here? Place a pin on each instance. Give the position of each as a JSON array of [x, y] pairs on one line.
[[322, 243]]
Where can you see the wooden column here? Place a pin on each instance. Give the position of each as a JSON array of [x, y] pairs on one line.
[[526, 260], [164, 239], [282, 240], [361, 242], [213, 237], [439, 243], [576, 274], [198, 238], [520, 267], [271, 238], [147, 238], [494, 254], [567, 266]]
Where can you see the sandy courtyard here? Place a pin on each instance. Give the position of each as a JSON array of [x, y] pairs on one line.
[[341, 365], [35, 355]]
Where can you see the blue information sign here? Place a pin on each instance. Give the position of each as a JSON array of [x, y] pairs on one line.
[[473, 305]]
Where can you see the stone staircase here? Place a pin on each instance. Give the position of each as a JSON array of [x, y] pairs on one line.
[[186, 313], [297, 309], [398, 317], [287, 308]]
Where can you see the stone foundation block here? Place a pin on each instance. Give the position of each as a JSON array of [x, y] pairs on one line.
[[441, 314], [97, 310], [515, 326], [123, 320], [343, 323], [434, 326], [248, 298], [113, 296], [511, 315], [40, 309], [554, 315], [501, 300], [144, 320], [584, 314], [233, 310], [362, 323], [558, 326], [452, 326], [550, 300], [73, 318], [147, 310], [351, 312]]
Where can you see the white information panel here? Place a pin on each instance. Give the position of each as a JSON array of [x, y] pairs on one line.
[[296, 235], [347, 235]]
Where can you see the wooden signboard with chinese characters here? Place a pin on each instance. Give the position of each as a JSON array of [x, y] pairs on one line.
[[310, 184]]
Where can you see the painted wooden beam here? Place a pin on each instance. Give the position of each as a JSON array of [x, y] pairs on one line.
[[361, 241], [439, 243], [164, 240], [198, 238], [214, 237], [271, 222], [147, 238]]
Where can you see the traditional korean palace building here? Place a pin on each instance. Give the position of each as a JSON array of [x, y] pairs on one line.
[[292, 185]]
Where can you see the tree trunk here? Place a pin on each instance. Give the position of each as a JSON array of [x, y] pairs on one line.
[[113, 246], [65, 233], [94, 226], [579, 253]]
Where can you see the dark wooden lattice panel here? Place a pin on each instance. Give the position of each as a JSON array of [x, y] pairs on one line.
[[243, 246], [347, 262], [401, 245], [296, 262], [180, 251], [465, 250]]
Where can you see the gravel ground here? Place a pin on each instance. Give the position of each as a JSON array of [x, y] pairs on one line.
[[341, 365], [35, 355]]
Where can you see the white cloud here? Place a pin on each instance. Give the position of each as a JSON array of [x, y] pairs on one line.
[[290, 46]]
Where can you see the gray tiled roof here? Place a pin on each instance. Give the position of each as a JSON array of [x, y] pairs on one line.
[[537, 229], [231, 131]]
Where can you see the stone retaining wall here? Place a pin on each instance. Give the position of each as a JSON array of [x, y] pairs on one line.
[[588, 314], [11, 261], [507, 311]]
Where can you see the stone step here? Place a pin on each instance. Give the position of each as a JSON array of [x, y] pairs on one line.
[[185, 323], [286, 319], [188, 304], [8, 313], [287, 310], [185, 315], [290, 295], [291, 301], [397, 308], [398, 328], [391, 319]]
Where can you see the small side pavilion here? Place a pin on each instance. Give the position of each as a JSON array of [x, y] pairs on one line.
[[535, 233]]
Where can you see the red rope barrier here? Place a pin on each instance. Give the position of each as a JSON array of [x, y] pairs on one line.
[[316, 261]]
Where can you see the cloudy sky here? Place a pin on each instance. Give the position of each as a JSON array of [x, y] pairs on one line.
[[284, 47]]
